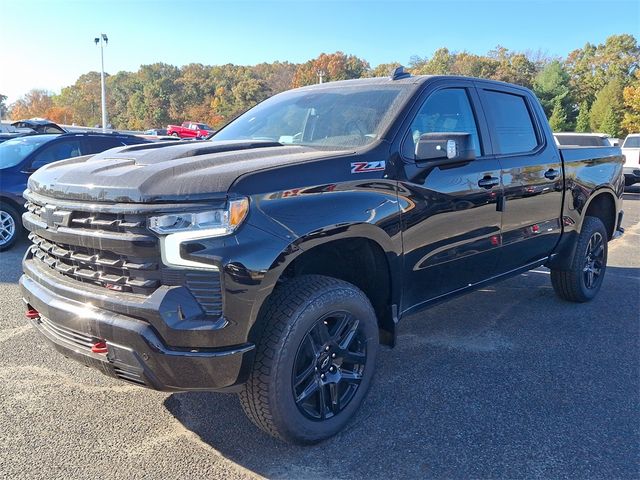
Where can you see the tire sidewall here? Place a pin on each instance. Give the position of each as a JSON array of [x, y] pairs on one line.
[[590, 226], [18, 225], [286, 415]]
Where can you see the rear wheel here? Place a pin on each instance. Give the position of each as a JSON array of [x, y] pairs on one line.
[[315, 360], [582, 281], [10, 226]]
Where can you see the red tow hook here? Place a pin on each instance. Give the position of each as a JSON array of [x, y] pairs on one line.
[[32, 313], [99, 346]]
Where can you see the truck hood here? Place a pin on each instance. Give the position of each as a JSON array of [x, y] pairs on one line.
[[164, 171]]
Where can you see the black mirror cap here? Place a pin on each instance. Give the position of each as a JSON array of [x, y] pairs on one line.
[[449, 146]]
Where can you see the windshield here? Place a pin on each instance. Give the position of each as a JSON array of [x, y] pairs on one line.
[[14, 151], [340, 116], [632, 142]]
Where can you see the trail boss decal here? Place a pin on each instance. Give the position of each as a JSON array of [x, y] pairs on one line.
[[366, 167]]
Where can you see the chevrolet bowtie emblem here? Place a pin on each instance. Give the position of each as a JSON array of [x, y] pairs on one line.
[[54, 217]]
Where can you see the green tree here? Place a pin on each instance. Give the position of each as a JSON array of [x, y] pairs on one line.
[[552, 84], [610, 97], [582, 122], [611, 123], [558, 118]]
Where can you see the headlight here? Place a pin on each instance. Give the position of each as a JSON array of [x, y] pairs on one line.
[[178, 228]]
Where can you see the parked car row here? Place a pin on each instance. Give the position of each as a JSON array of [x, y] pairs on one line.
[[21, 156]]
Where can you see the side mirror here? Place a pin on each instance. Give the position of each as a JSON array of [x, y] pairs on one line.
[[451, 147]]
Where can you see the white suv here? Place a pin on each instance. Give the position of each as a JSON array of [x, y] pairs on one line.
[[631, 152]]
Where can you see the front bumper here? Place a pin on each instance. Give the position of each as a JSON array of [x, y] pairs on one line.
[[135, 351]]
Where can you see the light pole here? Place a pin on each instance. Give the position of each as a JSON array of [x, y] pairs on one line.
[[103, 40]]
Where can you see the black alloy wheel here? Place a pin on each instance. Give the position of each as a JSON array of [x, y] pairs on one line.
[[329, 366], [594, 260]]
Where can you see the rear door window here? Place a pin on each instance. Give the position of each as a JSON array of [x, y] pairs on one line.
[[511, 124]]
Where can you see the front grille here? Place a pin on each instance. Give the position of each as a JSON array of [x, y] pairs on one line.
[[111, 250]]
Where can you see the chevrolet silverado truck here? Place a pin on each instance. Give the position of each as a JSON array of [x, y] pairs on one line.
[[276, 258], [189, 130]]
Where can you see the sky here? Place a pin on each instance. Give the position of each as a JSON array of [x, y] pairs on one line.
[[49, 44]]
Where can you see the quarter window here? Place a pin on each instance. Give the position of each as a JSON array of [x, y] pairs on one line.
[[445, 111], [511, 123]]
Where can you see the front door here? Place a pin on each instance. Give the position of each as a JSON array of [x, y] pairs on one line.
[[451, 222]]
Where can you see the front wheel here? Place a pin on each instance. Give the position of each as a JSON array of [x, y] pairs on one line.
[[315, 361], [583, 279]]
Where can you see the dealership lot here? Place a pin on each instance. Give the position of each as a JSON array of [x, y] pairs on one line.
[[508, 382]]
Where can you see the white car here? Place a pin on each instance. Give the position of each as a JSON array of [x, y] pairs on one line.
[[631, 152]]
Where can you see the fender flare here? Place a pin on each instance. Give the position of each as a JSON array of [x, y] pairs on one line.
[[321, 237]]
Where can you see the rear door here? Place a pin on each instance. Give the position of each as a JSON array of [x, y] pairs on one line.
[[532, 175], [451, 224]]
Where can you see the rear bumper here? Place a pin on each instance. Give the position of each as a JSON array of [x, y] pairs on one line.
[[135, 351]]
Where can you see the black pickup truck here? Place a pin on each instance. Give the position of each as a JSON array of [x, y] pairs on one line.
[[274, 259]]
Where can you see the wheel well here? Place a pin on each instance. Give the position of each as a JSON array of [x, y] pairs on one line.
[[11, 202], [604, 207], [359, 261]]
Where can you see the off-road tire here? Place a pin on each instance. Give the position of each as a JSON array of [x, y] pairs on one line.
[[570, 284], [290, 315]]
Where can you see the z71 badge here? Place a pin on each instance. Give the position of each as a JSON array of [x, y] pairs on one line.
[[366, 167]]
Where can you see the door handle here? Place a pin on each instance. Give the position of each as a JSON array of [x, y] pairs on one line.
[[488, 182], [551, 174]]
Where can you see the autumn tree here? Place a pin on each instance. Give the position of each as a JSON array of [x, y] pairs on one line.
[[631, 98], [333, 66], [383, 70], [594, 66], [34, 104]]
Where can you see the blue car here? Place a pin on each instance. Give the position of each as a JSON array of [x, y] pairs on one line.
[[20, 157]]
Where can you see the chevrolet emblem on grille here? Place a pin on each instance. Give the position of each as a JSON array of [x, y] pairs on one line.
[[54, 217]]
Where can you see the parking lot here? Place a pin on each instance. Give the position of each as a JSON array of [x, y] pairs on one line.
[[505, 382]]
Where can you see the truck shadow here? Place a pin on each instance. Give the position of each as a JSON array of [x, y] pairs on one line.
[[492, 384]]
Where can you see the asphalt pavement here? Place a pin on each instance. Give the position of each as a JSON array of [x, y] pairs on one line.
[[506, 382]]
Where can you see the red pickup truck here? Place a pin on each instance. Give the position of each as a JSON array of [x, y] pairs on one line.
[[189, 130]]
